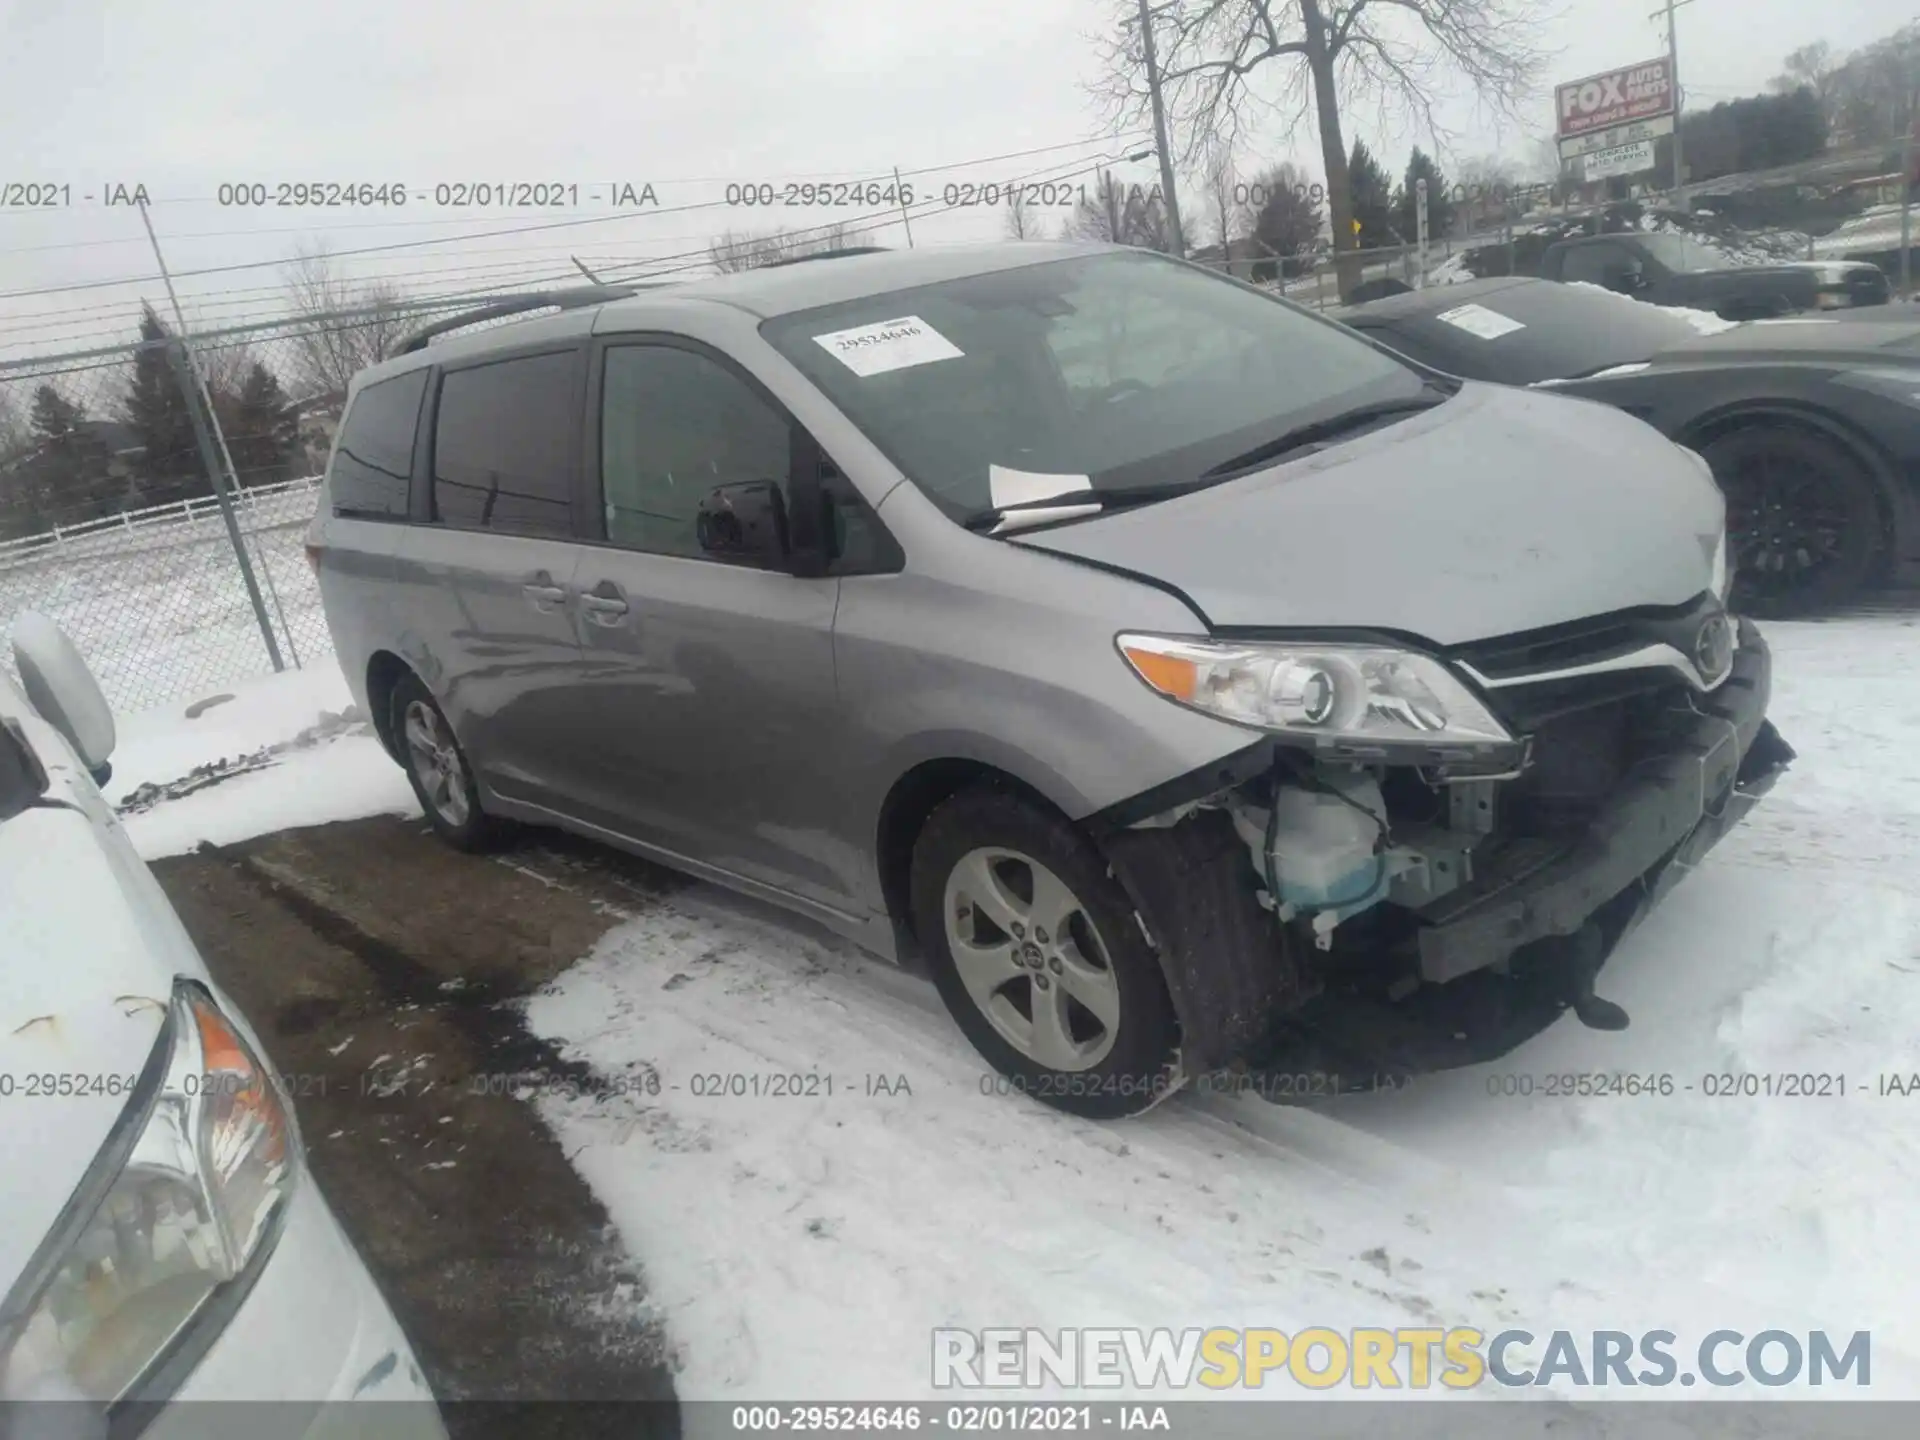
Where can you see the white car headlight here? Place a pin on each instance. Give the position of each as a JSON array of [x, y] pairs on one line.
[[1345, 693], [184, 1200]]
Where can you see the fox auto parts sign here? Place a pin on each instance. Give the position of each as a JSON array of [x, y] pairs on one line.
[[1619, 97]]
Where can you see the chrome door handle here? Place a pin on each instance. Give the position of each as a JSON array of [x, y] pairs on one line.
[[544, 594], [604, 604]]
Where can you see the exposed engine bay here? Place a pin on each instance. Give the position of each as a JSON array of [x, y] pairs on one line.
[[1415, 876]]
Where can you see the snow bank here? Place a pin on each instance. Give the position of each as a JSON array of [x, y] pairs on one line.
[[274, 753]]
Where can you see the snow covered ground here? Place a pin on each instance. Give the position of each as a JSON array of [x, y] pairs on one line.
[[161, 611], [804, 1247]]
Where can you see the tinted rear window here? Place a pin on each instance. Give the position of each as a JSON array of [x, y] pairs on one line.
[[373, 457], [503, 446]]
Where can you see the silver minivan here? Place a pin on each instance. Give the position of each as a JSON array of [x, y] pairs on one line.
[[1177, 676]]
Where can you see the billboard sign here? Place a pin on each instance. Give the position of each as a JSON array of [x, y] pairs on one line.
[[1628, 159], [1597, 140], [1618, 97]]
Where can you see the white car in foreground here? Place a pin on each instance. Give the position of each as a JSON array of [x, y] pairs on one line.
[[161, 1240]]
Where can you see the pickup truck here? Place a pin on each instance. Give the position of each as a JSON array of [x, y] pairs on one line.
[[1669, 269]]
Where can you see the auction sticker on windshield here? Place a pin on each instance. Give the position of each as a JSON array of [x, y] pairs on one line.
[[1478, 320], [888, 345]]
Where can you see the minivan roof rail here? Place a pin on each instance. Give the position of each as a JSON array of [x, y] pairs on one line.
[[569, 299], [834, 254]]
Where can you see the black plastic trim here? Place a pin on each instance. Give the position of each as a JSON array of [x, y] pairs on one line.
[[1682, 804], [573, 298], [1226, 773]]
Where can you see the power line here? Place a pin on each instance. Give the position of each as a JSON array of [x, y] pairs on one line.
[[477, 235], [520, 274], [656, 267]]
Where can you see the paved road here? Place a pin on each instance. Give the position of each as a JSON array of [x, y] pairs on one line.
[[379, 967]]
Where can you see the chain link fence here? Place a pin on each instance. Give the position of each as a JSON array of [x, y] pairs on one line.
[[154, 496]]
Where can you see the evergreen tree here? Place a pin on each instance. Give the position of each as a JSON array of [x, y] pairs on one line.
[[56, 420], [67, 480], [154, 406], [263, 435], [1287, 220], [1372, 195], [1422, 166]]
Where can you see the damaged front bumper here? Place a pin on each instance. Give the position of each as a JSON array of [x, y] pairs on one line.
[[1673, 810], [1244, 987]]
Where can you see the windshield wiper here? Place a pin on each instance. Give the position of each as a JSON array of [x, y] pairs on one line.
[[1118, 499], [1316, 431]]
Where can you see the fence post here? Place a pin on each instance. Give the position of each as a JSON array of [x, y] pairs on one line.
[[189, 382], [1420, 234]]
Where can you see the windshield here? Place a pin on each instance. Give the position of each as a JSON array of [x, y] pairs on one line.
[[1681, 252], [1537, 330], [1119, 370]]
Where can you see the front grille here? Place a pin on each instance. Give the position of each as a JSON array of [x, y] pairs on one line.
[[1588, 730], [1559, 648], [1524, 673]]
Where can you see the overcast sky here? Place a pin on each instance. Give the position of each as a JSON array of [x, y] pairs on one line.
[[684, 96]]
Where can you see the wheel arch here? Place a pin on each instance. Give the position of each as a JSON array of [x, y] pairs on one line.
[[384, 672], [910, 800]]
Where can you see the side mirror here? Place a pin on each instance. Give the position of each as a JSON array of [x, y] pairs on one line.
[[745, 522], [1626, 279], [62, 689]]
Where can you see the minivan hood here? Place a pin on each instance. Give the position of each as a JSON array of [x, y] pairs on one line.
[[88, 952], [1501, 510]]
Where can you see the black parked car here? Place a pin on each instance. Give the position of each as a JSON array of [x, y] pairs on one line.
[[1669, 269], [1811, 424]]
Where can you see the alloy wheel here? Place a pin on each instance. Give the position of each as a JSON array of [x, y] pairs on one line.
[[1028, 954], [436, 763], [1785, 524]]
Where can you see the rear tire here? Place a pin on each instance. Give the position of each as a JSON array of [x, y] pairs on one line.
[[1040, 959], [1804, 524], [436, 765]]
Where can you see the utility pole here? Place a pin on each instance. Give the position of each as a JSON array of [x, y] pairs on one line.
[[213, 451], [900, 194], [1160, 134], [1673, 79]]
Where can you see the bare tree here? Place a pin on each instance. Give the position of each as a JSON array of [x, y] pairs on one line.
[[1873, 94], [1023, 218], [1225, 63], [1224, 198], [329, 351], [1121, 213], [745, 250], [1814, 67], [1486, 188]]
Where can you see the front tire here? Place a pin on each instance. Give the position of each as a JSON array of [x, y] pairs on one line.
[[1040, 959], [1804, 524], [442, 779]]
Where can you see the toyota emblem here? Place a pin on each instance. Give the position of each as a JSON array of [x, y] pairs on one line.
[[1713, 649]]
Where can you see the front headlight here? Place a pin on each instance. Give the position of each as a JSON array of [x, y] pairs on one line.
[[1364, 693], [183, 1202]]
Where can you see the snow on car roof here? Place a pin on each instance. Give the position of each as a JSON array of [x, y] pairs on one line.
[[1705, 321]]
